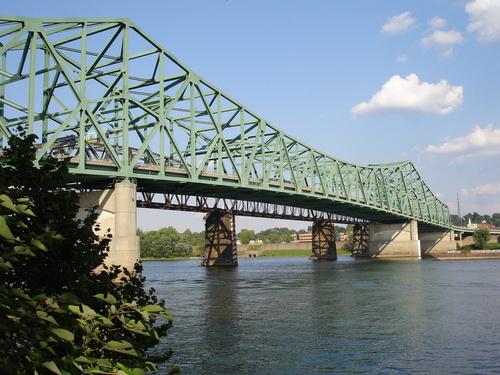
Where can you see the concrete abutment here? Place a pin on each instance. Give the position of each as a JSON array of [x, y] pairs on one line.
[[393, 240], [437, 241], [117, 212]]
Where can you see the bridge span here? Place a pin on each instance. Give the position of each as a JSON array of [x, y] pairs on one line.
[[131, 118]]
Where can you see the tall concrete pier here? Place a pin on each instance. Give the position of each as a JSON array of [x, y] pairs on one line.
[[117, 212], [437, 241], [393, 240]]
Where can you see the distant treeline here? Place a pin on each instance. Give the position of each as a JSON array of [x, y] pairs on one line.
[[169, 243], [476, 218], [277, 235]]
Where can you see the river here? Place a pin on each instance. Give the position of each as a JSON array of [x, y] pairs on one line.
[[353, 316]]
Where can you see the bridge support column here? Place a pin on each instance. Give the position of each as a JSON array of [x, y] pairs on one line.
[[220, 240], [323, 241], [360, 237], [394, 240], [437, 242], [117, 212]]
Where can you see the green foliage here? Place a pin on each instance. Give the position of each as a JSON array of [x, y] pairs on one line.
[[254, 247], [246, 235], [488, 246], [456, 220], [481, 237], [59, 312], [276, 235], [476, 218], [168, 243], [287, 253]]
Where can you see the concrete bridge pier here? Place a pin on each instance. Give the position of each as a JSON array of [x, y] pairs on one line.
[[117, 212], [393, 240], [323, 241], [437, 241], [220, 240]]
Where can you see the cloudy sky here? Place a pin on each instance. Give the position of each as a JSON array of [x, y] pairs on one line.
[[364, 81]]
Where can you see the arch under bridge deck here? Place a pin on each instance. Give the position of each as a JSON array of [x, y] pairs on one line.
[[104, 94]]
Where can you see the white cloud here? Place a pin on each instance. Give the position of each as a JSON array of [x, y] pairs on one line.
[[447, 53], [409, 94], [439, 38], [483, 142], [398, 24], [484, 19], [403, 59], [437, 23], [492, 188]]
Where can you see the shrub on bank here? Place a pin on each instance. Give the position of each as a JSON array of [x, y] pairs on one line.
[[58, 314], [488, 246]]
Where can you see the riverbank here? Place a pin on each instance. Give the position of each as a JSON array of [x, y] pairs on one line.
[[266, 253], [467, 255]]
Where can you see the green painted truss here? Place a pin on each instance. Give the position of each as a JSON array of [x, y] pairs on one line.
[[104, 94]]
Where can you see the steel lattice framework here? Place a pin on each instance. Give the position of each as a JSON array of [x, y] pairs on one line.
[[104, 94]]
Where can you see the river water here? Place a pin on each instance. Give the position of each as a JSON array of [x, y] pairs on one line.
[[353, 316]]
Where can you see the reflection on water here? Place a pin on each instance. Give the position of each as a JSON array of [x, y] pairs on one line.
[[295, 316]]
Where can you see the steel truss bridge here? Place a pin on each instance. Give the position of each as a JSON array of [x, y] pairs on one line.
[[105, 95]]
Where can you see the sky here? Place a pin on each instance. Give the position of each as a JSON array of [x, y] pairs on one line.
[[364, 81]]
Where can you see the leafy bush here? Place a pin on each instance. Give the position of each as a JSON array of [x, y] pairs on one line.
[[62, 310], [481, 237], [168, 243]]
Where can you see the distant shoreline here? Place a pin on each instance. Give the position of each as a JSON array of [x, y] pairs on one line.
[[467, 255]]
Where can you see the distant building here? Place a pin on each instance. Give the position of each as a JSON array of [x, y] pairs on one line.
[[305, 237]]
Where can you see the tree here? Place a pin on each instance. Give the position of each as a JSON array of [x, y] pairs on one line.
[[495, 219], [61, 309], [246, 235], [456, 220], [167, 243], [481, 237], [289, 236]]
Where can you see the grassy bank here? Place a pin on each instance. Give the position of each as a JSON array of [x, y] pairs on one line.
[[267, 253], [489, 246], [297, 253]]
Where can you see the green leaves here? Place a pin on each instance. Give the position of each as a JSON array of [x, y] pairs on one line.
[[22, 205], [121, 347], [108, 298], [57, 313], [63, 334], [52, 367], [38, 244], [5, 230], [6, 202]]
